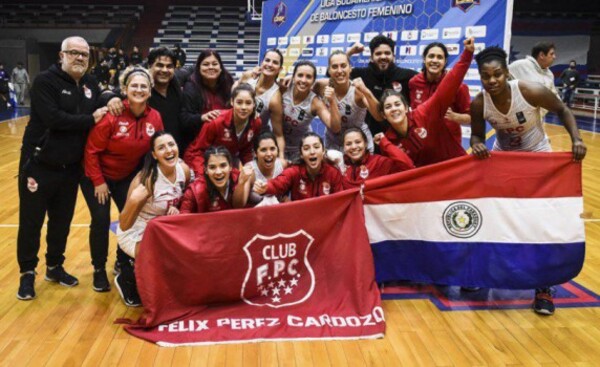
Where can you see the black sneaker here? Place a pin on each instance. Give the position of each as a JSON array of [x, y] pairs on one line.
[[117, 268], [26, 289], [101, 283], [543, 303], [60, 276], [128, 291]]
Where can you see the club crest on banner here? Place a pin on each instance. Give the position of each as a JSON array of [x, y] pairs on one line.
[[465, 5], [279, 273], [279, 15], [462, 219]]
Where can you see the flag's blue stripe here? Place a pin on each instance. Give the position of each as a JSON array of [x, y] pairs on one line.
[[481, 264]]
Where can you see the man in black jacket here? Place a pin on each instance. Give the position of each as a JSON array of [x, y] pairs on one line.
[[64, 106], [381, 73]]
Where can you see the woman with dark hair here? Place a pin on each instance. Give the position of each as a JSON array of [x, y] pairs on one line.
[[155, 191], [207, 91], [113, 152], [423, 85], [412, 130], [214, 190], [263, 79], [233, 128], [301, 105], [264, 167], [513, 109], [362, 165], [310, 177]]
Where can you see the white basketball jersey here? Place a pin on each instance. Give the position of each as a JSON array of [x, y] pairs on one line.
[[258, 174], [296, 122], [521, 129], [352, 116], [166, 194], [262, 104]]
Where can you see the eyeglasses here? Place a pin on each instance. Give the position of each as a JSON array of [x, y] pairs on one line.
[[76, 54]]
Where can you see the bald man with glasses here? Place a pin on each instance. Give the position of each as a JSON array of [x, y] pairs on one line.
[[65, 105]]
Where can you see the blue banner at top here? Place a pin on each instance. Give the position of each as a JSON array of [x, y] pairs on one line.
[[311, 30]]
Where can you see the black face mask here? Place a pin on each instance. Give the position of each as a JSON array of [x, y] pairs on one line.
[[571, 66]]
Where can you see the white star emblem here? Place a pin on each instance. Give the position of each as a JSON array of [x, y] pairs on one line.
[[276, 299], [287, 290], [294, 282], [281, 283], [275, 291], [264, 292], [271, 285]]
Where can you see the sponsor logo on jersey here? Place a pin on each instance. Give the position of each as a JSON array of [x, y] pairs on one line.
[[521, 117], [279, 273], [326, 188], [462, 219], [279, 14], [364, 172], [150, 129], [465, 5]]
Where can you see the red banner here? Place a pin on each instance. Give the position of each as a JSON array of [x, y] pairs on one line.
[[301, 270]]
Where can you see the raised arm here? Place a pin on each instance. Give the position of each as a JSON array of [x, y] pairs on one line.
[[276, 110], [243, 187], [136, 199], [478, 128], [330, 116], [365, 98], [438, 104]]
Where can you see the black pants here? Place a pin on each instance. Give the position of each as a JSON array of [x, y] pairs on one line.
[[45, 190], [100, 214]]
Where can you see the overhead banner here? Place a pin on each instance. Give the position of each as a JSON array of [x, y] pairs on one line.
[[311, 30], [299, 271], [510, 221]]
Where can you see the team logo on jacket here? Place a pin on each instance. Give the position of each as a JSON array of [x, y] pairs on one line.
[[364, 172], [250, 135], [462, 219], [465, 5], [279, 273], [279, 14], [32, 184], [326, 188], [226, 134], [396, 86], [302, 187], [87, 92], [418, 95], [421, 132], [150, 129]]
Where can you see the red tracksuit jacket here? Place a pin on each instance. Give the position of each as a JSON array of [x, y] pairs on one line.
[[296, 179], [375, 165], [116, 144], [421, 90], [221, 131], [196, 198], [425, 123]]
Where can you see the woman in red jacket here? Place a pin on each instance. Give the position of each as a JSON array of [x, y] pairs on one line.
[[413, 131], [311, 177], [214, 191], [423, 85], [361, 165], [234, 129], [114, 150]]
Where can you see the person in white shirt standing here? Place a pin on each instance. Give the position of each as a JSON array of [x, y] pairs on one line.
[[20, 80]]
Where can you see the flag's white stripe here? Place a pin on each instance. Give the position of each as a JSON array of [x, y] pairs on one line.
[[547, 220]]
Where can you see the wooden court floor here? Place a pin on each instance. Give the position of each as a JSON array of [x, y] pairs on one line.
[[74, 326]]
